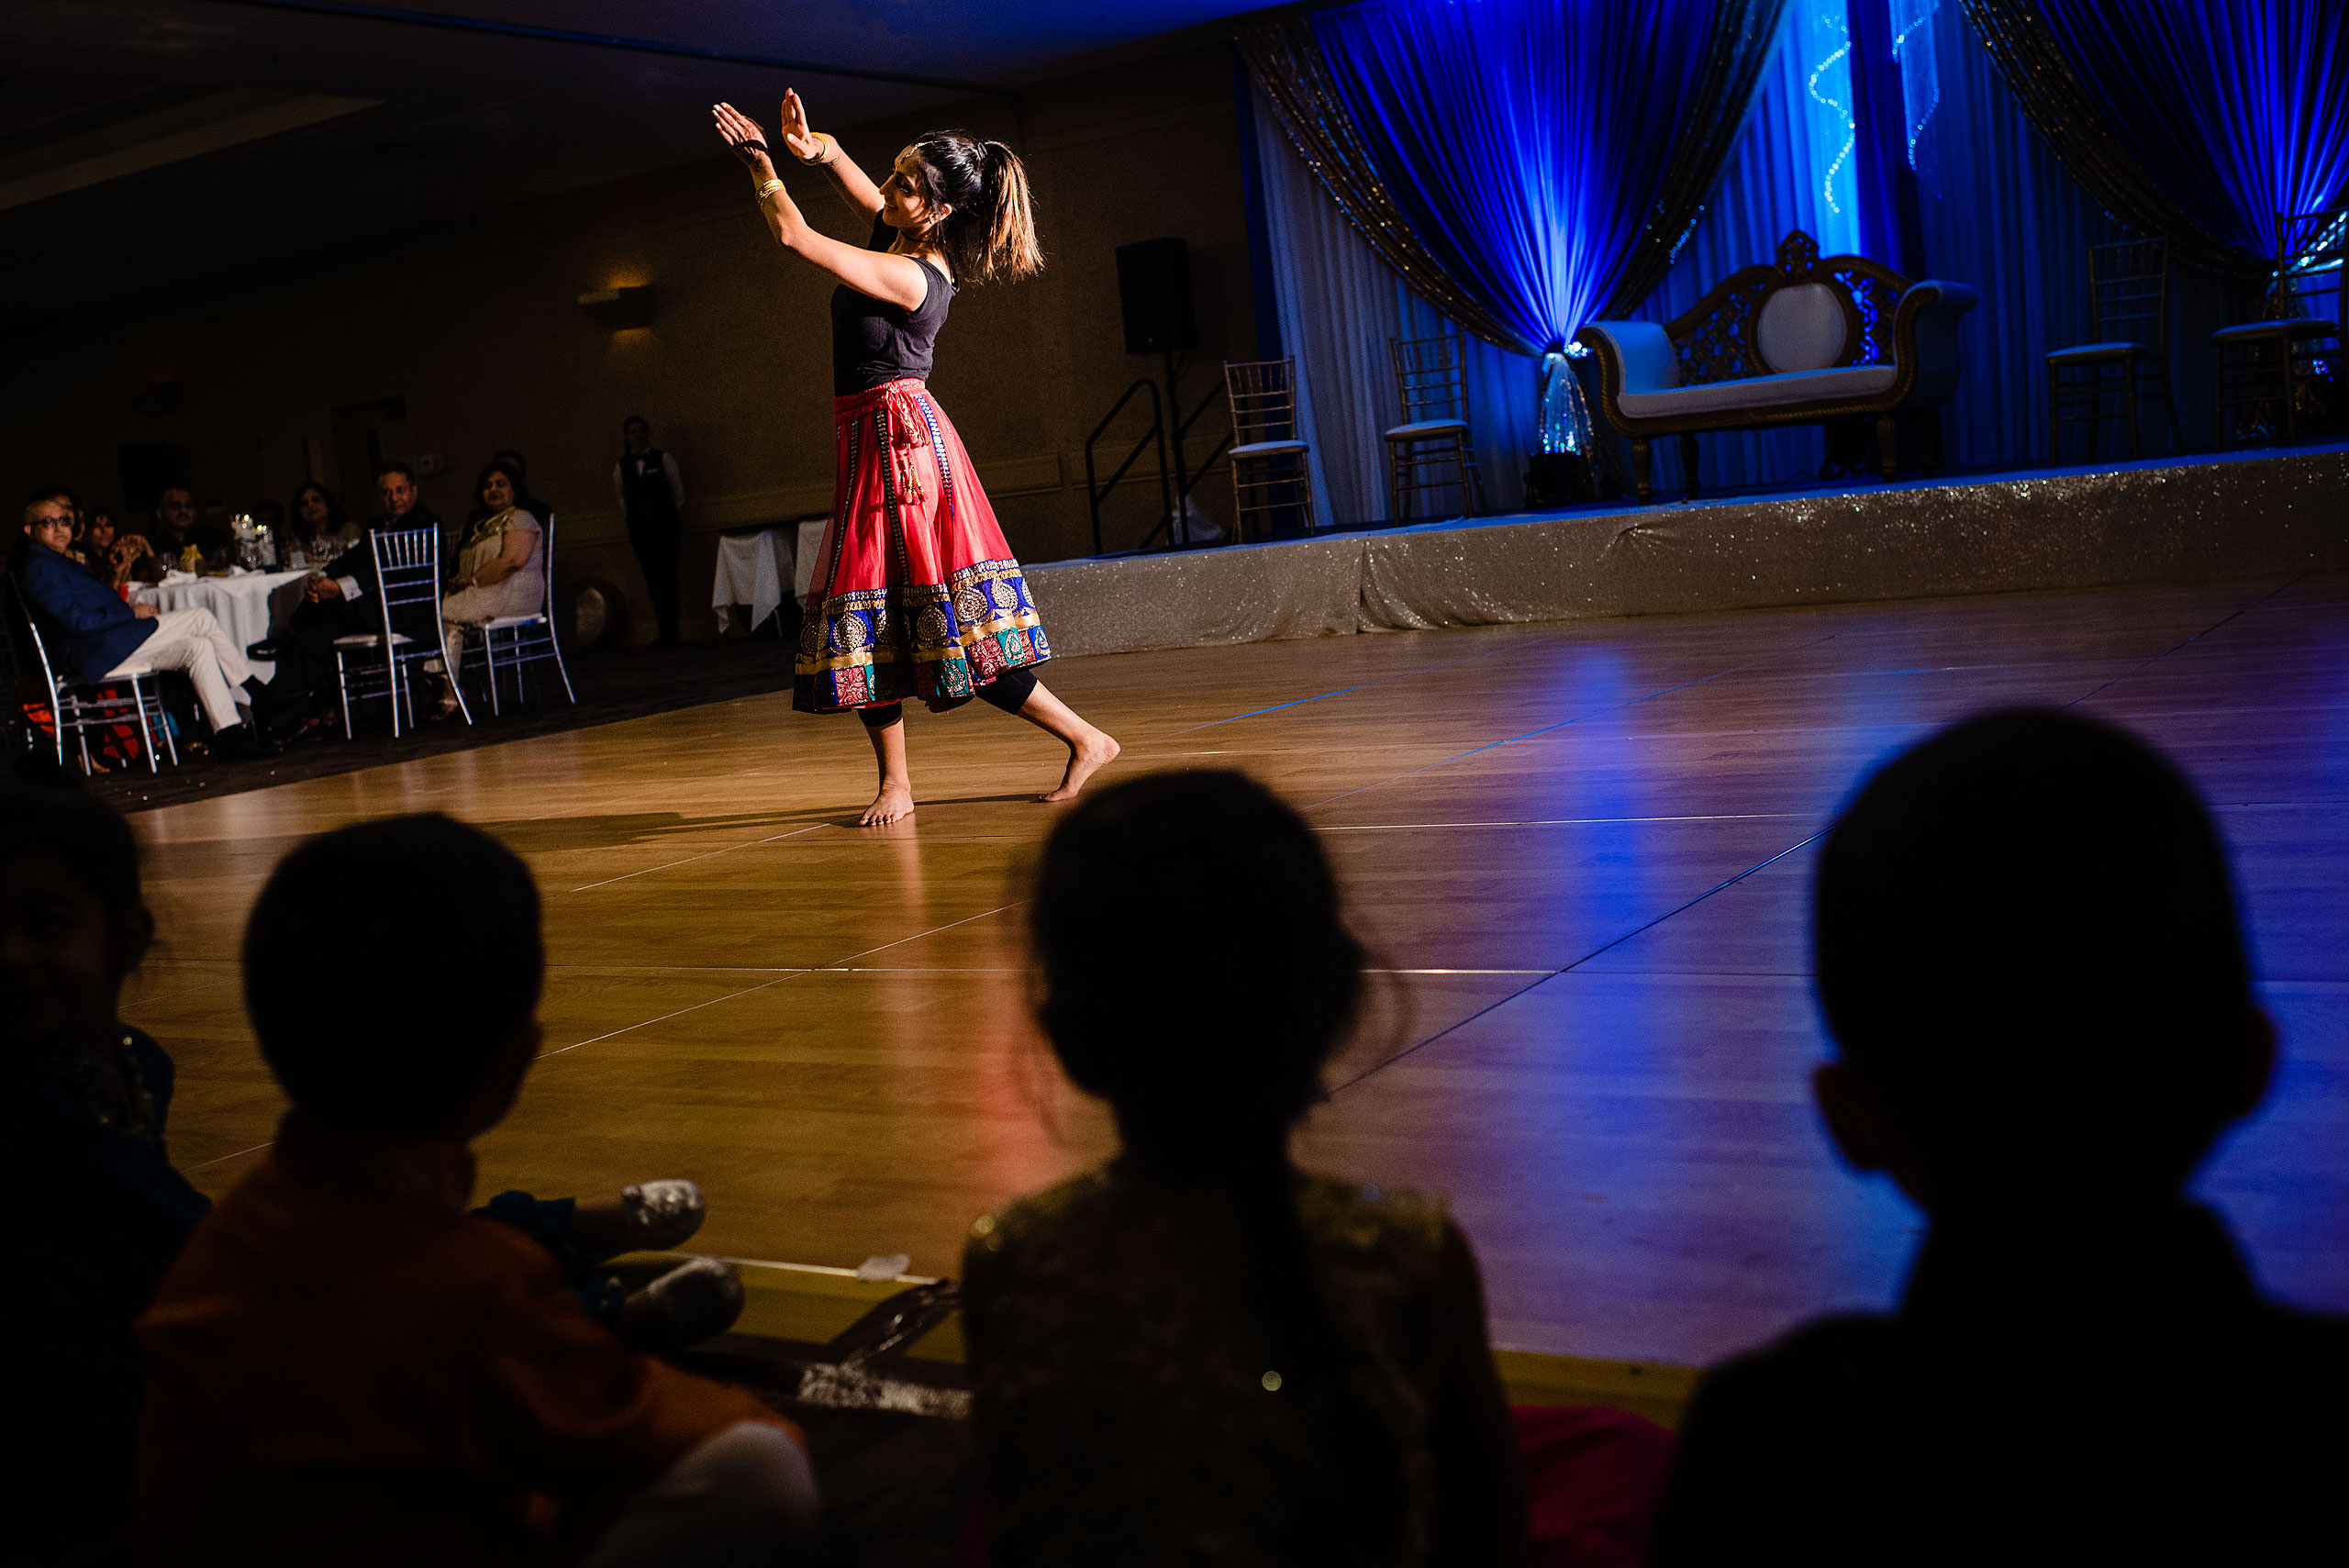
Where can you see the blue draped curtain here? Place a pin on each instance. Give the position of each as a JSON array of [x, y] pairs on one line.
[[2239, 110], [1338, 303], [1530, 142], [2195, 119]]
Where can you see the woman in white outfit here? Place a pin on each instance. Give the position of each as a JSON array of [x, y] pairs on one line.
[[500, 571]]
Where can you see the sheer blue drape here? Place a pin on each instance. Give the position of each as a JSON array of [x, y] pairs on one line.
[[1527, 138], [2239, 110], [1339, 303]]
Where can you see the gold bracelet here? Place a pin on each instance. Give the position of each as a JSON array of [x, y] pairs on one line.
[[824, 157], [764, 192]]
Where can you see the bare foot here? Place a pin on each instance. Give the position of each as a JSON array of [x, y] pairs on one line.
[[1086, 758], [894, 804]]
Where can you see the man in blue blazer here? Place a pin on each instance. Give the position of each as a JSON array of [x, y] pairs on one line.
[[105, 639]]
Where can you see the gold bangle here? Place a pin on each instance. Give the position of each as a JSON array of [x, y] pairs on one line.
[[824, 157], [764, 192]]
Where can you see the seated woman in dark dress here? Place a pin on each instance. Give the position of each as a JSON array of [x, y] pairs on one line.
[[1198, 1353]]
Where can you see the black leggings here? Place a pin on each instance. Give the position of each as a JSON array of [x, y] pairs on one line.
[[1009, 691]]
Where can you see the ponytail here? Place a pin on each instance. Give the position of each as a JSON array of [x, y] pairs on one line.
[[1012, 251], [990, 230]]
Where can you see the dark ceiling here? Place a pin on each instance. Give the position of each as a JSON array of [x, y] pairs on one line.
[[149, 143]]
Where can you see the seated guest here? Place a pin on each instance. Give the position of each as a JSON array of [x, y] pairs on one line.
[[2027, 951], [102, 634], [1198, 1353], [176, 529], [345, 1366], [498, 569], [340, 599], [318, 521], [97, 1212], [108, 552]]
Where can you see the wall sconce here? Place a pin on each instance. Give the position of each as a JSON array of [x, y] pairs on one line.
[[620, 309]]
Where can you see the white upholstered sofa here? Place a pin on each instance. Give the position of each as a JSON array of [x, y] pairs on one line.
[[1796, 341]]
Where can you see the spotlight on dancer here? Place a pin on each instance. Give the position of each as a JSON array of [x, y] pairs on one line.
[[916, 593]]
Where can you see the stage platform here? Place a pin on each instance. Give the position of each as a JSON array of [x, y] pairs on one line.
[[1579, 852], [2193, 520]]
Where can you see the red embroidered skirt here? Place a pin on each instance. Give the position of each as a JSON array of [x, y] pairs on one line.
[[916, 593]]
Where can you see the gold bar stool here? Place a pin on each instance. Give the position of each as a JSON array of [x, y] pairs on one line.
[[1270, 469], [2289, 360], [2129, 290], [1430, 450]]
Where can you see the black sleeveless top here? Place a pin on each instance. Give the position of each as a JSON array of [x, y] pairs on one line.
[[875, 342]]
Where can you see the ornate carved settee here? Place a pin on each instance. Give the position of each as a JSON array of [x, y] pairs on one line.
[[1795, 342]]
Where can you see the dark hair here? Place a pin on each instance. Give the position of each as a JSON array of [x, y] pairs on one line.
[[431, 1025], [991, 231], [394, 466], [1207, 1066], [42, 812], [334, 508], [2026, 939], [513, 473], [635, 420]]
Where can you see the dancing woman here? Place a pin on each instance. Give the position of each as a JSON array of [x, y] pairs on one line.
[[916, 594]]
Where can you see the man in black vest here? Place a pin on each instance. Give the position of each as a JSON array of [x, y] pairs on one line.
[[646, 483]]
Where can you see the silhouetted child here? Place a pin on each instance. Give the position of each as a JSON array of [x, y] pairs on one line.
[[2027, 951], [346, 1366], [1197, 1353], [97, 1212]]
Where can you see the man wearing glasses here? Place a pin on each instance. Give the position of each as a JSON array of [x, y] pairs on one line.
[[102, 635]]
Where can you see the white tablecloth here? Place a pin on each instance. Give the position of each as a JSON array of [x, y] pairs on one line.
[[803, 566], [750, 571], [248, 607]]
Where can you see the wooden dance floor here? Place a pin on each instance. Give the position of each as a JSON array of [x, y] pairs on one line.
[[1580, 851]]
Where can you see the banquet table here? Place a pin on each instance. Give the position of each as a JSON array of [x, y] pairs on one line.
[[750, 572], [249, 605]]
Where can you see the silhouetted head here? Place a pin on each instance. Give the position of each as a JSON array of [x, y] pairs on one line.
[[1196, 971], [968, 197], [635, 434], [72, 923], [2028, 952], [433, 1038]]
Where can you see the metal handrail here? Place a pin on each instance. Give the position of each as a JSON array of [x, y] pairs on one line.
[[1187, 478], [1094, 493]]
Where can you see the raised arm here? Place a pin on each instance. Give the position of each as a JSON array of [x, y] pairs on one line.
[[851, 183], [898, 280]]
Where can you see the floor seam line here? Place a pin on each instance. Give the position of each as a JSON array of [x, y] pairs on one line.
[[765, 985], [2211, 630], [1568, 969]]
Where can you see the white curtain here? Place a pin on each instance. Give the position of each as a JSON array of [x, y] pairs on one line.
[[1338, 305]]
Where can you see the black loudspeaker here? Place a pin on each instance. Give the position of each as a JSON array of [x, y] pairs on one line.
[[1155, 296]]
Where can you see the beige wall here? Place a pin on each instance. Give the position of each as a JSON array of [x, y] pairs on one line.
[[478, 329]]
